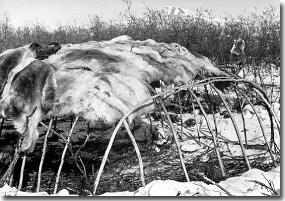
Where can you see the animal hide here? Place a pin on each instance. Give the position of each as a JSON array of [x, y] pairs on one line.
[[30, 98], [99, 81]]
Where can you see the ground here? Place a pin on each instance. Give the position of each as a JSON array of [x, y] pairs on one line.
[[160, 157]]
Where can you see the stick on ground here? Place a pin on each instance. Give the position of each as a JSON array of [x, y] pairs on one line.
[[63, 155], [43, 156], [137, 151], [22, 172]]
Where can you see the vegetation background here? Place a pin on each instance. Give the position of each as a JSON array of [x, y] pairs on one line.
[[260, 31]]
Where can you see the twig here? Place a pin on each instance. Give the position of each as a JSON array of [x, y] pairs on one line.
[[137, 151], [214, 117], [176, 141], [270, 114], [270, 188], [151, 124], [7, 176], [43, 156], [272, 84], [173, 90], [55, 123], [181, 120], [84, 169], [234, 124], [77, 152], [11, 180], [218, 185], [22, 172], [139, 105], [63, 155], [271, 110], [189, 134], [197, 127], [261, 126], [210, 129], [161, 119], [174, 135], [59, 135], [105, 157], [242, 116]]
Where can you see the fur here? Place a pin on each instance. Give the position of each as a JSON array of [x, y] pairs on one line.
[[100, 81], [118, 75], [31, 95], [99, 99], [13, 61]]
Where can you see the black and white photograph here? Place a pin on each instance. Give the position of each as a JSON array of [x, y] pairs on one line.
[[140, 98]]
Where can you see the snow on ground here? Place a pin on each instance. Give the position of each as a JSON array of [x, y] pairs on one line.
[[196, 143], [254, 182]]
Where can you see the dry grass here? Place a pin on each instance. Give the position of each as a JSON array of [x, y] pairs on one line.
[[260, 31]]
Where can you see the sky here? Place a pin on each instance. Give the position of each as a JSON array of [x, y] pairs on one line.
[[55, 12]]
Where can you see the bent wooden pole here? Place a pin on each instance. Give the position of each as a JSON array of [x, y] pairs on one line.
[[176, 141], [261, 126], [7, 175], [97, 180], [139, 105], [175, 137], [43, 156], [137, 151], [210, 130], [63, 155], [242, 116], [56, 133], [271, 110], [21, 140], [174, 134], [104, 160], [214, 116], [196, 120], [110, 144], [76, 155], [22, 172], [234, 124], [263, 96], [181, 119]]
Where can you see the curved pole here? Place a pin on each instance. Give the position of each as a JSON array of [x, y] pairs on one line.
[[261, 125], [181, 120], [96, 182], [242, 116], [272, 112], [210, 130], [43, 157], [234, 124], [174, 134], [137, 151], [76, 155], [22, 171], [104, 160], [176, 141], [7, 174], [173, 90], [63, 155]]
